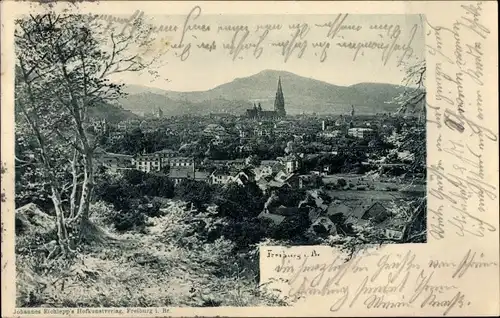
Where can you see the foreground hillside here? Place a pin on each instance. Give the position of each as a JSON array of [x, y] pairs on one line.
[[161, 265]]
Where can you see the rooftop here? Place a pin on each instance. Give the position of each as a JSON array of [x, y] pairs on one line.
[[276, 219], [179, 173], [166, 151]]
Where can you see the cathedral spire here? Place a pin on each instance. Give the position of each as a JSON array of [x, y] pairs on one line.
[[279, 102]]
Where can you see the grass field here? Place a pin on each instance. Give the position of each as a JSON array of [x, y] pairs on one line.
[[377, 184], [371, 194]]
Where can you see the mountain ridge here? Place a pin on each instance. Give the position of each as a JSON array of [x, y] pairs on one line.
[[302, 95]]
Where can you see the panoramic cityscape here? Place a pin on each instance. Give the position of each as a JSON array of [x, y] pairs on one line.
[[129, 195], [323, 175]]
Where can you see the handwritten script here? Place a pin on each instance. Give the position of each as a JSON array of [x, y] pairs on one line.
[[196, 35], [376, 280], [462, 187]]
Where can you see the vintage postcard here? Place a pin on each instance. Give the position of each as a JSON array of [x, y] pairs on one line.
[[270, 159]]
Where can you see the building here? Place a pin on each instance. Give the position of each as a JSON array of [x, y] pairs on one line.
[[112, 161], [220, 176], [161, 159], [224, 176], [213, 130], [280, 180], [166, 153], [180, 162], [375, 213], [323, 225], [361, 132], [127, 125], [243, 176], [328, 134], [279, 101], [158, 113], [279, 107], [234, 164], [292, 163], [179, 174], [274, 219], [148, 163], [100, 126]]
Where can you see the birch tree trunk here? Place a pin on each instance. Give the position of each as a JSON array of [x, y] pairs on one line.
[[74, 172], [62, 233], [86, 197]]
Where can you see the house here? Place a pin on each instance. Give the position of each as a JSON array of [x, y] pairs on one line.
[[180, 161], [147, 163], [214, 130], [262, 172], [242, 133], [274, 218], [178, 174], [291, 163], [393, 234], [220, 176], [393, 228], [375, 213], [286, 211], [220, 139], [127, 125], [166, 153], [100, 126], [158, 160], [330, 134], [243, 176], [361, 132], [236, 163], [282, 179], [278, 213], [112, 161], [316, 197], [335, 208], [323, 225], [225, 175]]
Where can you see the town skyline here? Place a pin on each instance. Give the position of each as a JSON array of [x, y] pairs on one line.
[[147, 85]]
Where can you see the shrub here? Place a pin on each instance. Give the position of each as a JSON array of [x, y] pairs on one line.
[[240, 202], [341, 182], [292, 228], [197, 192], [129, 220], [102, 213], [246, 233], [157, 185]]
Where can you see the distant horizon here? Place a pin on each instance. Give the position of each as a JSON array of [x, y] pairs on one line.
[[253, 74]]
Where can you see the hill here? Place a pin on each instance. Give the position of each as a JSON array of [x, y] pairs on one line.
[[112, 113], [302, 94]]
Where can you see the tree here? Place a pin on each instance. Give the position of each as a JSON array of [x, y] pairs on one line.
[[412, 99], [63, 66], [341, 182], [413, 140], [253, 160], [197, 192], [240, 202]]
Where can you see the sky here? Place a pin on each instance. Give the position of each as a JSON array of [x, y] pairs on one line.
[[205, 69]]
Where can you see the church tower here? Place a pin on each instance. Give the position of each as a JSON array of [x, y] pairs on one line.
[[279, 101]]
